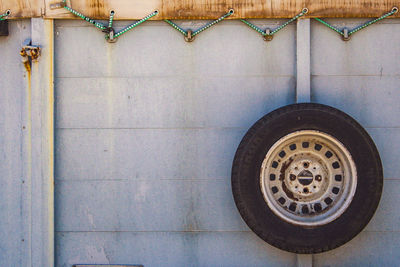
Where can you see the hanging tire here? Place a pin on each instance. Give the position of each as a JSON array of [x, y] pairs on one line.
[[307, 178]]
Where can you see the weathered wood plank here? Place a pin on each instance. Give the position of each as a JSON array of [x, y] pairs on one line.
[[201, 9], [208, 9], [22, 8], [100, 9]]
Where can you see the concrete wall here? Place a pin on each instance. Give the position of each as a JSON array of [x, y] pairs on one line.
[[146, 133], [15, 219], [362, 78], [146, 130]]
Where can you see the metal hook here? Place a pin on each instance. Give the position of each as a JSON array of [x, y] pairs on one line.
[[268, 36], [110, 36], [189, 37], [346, 36]]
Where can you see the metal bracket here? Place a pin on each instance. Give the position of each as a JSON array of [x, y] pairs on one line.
[[111, 34], [346, 36], [58, 5], [268, 36], [189, 38], [29, 52], [32, 52]]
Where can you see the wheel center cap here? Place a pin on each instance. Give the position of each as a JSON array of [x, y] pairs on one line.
[[305, 177]]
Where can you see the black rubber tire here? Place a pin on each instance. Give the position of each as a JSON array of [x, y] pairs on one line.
[[246, 178]]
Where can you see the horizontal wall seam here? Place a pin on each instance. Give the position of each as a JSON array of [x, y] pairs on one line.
[[187, 128], [357, 75], [199, 77], [156, 128], [382, 127], [161, 179], [142, 179], [193, 231]]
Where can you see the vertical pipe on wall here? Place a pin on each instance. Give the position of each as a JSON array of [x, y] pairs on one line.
[[303, 51], [303, 89], [42, 136]]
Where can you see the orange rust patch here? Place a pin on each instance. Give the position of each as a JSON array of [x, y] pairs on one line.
[[28, 68]]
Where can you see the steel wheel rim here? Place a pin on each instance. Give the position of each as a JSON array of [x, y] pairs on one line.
[[308, 178]]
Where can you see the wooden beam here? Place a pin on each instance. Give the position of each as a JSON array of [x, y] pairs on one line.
[[22, 8], [100, 9], [201, 9]]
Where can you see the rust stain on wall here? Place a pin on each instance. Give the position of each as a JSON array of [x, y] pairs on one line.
[[27, 66]]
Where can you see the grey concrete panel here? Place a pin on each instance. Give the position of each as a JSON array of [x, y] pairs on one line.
[[372, 51], [156, 49], [148, 127], [14, 224], [367, 249], [172, 205], [387, 216], [387, 141], [169, 102], [169, 249], [373, 101], [173, 153], [145, 153], [234, 50], [147, 205]]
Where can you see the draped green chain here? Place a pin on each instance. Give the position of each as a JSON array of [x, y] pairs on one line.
[[205, 27], [330, 26], [209, 25], [302, 13], [111, 20], [189, 35], [268, 32], [5, 15], [76, 13], [176, 27], [130, 27], [342, 32], [108, 28]]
